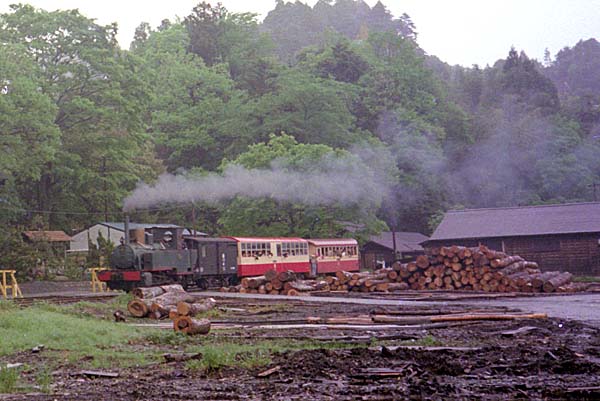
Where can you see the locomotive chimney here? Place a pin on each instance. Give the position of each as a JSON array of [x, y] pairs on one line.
[[127, 240]]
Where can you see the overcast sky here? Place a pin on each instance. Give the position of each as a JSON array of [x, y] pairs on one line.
[[458, 31]]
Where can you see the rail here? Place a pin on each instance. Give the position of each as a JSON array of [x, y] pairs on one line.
[[9, 282]]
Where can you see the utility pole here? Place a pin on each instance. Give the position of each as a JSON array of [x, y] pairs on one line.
[[595, 186], [105, 189]]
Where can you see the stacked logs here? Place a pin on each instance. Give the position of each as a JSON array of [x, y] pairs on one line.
[[278, 283], [481, 269], [445, 268], [174, 302]]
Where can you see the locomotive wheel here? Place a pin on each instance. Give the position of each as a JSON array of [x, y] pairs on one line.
[[232, 281], [202, 284]]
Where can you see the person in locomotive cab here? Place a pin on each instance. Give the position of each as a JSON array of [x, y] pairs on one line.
[[166, 240]]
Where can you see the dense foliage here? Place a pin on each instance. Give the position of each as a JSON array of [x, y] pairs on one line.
[[83, 121]]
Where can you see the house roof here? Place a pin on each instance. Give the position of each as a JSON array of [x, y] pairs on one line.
[[519, 221], [405, 241], [50, 236]]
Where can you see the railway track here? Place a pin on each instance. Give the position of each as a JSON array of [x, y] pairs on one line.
[[65, 299]]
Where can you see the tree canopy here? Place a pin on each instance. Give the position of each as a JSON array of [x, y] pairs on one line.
[[82, 121]]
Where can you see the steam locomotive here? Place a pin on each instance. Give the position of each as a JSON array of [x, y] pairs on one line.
[[165, 255]]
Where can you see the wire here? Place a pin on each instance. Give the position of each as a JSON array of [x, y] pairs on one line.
[[64, 212]]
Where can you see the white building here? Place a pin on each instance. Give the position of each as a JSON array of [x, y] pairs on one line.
[[111, 231]]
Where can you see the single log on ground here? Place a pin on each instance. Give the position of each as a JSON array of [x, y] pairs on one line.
[[148, 292], [139, 307], [191, 326], [192, 309], [553, 283]]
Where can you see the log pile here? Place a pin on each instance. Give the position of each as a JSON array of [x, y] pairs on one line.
[[445, 268], [481, 269], [278, 283], [172, 301]]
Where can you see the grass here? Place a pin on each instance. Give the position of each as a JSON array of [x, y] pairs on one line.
[[67, 337], [84, 335], [44, 380], [586, 279], [8, 379], [219, 353]]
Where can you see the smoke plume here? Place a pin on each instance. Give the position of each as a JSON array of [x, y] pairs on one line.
[[341, 180]]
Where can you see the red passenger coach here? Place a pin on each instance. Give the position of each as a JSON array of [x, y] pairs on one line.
[[257, 255], [332, 255]]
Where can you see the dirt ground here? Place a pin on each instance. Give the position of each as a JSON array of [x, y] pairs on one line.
[[551, 359]]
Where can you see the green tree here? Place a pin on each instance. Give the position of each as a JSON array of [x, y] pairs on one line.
[[313, 110], [269, 217], [29, 139], [196, 114], [99, 100]]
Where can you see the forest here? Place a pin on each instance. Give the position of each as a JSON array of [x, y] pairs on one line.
[[340, 94]]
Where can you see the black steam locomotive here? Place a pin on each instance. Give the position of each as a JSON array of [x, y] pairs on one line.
[[165, 255]]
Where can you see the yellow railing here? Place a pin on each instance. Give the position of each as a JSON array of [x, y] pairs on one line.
[[97, 285], [9, 282]]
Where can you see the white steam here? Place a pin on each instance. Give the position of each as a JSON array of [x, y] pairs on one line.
[[344, 180]]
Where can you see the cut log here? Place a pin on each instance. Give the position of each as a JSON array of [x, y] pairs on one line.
[[397, 286], [139, 307], [553, 283], [500, 263], [148, 292], [286, 276], [540, 279], [422, 261], [270, 274], [191, 326], [187, 309], [172, 288], [171, 298]]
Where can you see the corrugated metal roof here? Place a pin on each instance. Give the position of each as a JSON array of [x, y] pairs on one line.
[[333, 241], [50, 236], [405, 241], [519, 221]]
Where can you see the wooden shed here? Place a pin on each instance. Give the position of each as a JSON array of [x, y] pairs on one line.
[[379, 250], [557, 237]]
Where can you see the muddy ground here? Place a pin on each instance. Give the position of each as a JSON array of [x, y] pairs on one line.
[[551, 360]]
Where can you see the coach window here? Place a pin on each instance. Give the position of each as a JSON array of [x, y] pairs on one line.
[[203, 250]]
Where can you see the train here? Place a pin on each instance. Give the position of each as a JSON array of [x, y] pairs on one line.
[[169, 255]]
